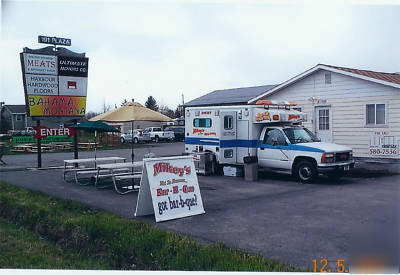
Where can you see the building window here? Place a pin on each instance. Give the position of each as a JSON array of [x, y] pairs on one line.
[[376, 114], [202, 122], [323, 119], [228, 122], [18, 117], [328, 78]]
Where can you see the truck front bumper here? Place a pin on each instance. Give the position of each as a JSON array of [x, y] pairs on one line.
[[329, 167]]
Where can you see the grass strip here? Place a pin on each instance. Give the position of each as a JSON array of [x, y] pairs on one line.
[[119, 242], [20, 248]]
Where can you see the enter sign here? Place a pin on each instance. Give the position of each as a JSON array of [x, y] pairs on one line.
[[43, 131]]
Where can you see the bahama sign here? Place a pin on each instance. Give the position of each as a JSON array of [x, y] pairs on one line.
[[57, 105], [55, 85]]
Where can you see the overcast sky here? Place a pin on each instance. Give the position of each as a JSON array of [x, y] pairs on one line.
[[166, 48]]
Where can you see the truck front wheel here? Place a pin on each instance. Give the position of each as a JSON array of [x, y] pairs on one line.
[[305, 171], [156, 139]]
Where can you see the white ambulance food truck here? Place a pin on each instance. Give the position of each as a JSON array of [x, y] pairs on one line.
[[269, 131]]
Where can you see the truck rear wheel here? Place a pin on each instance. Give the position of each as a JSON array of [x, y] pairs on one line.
[[305, 171], [156, 139]]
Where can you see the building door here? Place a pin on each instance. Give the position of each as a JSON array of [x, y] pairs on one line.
[[323, 123], [228, 137]]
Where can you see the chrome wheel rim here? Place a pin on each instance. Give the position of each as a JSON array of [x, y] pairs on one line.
[[305, 172]]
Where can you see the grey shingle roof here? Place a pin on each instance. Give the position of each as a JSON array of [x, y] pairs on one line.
[[16, 109], [229, 96]]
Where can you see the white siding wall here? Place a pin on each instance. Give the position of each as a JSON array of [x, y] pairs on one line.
[[347, 97]]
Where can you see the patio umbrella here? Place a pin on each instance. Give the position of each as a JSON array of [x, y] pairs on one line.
[[130, 112], [95, 126]]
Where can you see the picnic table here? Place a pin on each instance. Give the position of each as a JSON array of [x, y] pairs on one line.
[[113, 170], [70, 165], [61, 145], [22, 148]]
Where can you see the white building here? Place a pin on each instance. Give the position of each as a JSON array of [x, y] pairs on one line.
[[357, 108]]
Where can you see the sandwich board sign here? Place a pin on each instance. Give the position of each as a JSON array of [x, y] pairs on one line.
[[169, 189]]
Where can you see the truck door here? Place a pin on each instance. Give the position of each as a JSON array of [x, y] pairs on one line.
[[272, 151], [228, 137]]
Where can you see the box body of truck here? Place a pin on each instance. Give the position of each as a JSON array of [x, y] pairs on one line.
[[230, 132]]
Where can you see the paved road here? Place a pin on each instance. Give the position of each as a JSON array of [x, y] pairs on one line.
[[56, 159], [274, 216]]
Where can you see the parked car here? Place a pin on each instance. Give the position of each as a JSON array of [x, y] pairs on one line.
[[138, 136], [28, 131], [157, 134], [179, 132]]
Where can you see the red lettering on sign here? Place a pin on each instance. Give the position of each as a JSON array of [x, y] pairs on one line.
[[165, 167]]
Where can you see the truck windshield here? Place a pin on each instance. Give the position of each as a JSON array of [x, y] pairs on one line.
[[300, 135]]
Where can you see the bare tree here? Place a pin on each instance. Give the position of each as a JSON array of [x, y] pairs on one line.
[[106, 107], [165, 110], [91, 114]]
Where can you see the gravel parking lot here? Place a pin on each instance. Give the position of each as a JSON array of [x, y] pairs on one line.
[[275, 216]]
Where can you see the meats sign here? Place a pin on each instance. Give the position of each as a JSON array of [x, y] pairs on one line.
[[55, 85]]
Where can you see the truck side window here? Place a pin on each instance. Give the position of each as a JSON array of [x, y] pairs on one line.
[[228, 122], [274, 137], [202, 122]]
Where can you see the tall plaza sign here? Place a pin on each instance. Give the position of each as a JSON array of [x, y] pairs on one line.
[[55, 80]]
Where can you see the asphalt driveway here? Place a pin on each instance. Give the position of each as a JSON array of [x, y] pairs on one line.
[[275, 216]]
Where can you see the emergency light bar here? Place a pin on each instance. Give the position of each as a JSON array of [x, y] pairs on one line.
[[275, 103]]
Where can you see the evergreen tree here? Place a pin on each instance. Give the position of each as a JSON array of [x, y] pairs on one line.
[[151, 103]]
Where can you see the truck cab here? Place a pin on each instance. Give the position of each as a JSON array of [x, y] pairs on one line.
[[296, 150]]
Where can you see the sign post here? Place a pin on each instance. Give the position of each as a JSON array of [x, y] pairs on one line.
[[169, 189], [39, 147]]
